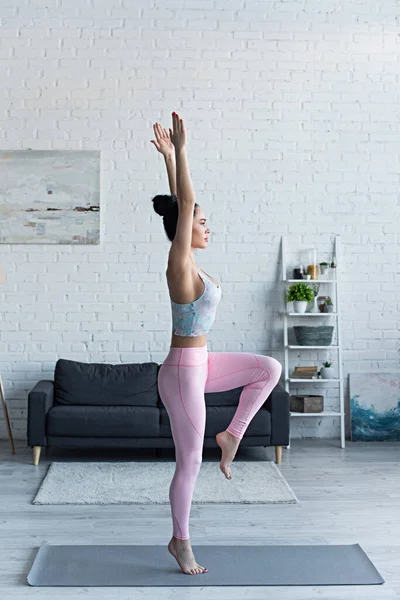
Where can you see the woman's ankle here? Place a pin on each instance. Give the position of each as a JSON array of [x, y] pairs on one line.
[[233, 437]]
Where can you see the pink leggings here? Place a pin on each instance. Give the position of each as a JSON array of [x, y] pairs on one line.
[[184, 377]]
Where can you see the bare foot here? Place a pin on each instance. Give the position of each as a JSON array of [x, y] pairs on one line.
[[229, 444], [182, 551]]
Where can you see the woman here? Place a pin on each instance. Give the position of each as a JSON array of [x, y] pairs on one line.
[[189, 370]]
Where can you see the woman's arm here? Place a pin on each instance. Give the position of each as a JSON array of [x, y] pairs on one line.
[[185, 190], [171, 170], [179, 259]]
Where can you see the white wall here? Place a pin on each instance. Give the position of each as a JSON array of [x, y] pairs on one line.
[[292, 111]]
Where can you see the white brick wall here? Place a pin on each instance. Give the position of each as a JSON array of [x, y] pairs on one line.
[[292, 111]]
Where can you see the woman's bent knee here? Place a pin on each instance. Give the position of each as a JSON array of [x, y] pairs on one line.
[[272, 366]]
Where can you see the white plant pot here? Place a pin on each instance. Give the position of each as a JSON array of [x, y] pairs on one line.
[[300, 306], [327, 373]]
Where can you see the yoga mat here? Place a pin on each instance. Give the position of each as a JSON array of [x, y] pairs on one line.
[[139, 566]]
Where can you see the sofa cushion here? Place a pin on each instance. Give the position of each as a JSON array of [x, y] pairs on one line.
[[103, 421], [102, 384]]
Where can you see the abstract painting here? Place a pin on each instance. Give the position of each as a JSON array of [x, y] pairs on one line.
[[375, 407], [49, 197]]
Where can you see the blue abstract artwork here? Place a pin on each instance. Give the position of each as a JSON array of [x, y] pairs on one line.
[[375, 407]]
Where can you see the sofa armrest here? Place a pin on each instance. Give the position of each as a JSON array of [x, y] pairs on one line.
[[278, 405], [40, 400]]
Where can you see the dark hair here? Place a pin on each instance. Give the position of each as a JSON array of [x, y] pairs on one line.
[[166, 205]]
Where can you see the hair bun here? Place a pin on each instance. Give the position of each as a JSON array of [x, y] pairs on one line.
[[163, 203]]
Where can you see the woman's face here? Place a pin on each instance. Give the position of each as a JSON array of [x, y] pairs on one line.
[[200, 231]]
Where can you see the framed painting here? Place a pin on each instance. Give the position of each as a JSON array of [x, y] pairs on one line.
[[49, 197], [375, 407]]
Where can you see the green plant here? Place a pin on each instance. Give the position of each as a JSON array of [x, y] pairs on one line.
[[298, 292], [327, 363], [323, 264], [329, 301], [315, 289]]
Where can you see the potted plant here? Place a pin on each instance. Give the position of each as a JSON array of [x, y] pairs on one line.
[[325, 304], [327, 370], [300, 294], [323, 267]]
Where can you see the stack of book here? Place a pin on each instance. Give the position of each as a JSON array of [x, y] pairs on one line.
[[305, 373]]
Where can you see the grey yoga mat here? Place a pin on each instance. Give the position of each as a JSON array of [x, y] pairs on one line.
[[139, 566]]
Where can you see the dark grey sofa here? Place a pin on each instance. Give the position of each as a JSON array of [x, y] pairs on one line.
[[96, 405]]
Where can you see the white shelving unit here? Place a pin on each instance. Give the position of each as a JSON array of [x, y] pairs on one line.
[[338, 380]]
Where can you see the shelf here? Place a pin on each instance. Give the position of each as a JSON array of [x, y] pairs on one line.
[[325, 413], [311, 347], [311, 280], [332, 276], [319, 380], [318, 314]]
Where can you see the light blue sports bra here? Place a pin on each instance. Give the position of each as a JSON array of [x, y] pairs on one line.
[[196, 318]]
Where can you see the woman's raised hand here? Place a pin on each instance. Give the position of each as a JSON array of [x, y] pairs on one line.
[[163, 141], [178, 134]]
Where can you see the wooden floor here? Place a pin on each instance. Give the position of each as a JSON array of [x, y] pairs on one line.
[[346, 496]]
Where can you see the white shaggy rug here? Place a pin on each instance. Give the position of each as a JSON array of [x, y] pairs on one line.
[[254, 482]]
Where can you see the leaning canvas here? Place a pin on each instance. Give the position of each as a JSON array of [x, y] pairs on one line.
[[375, 407], [49, 197]]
